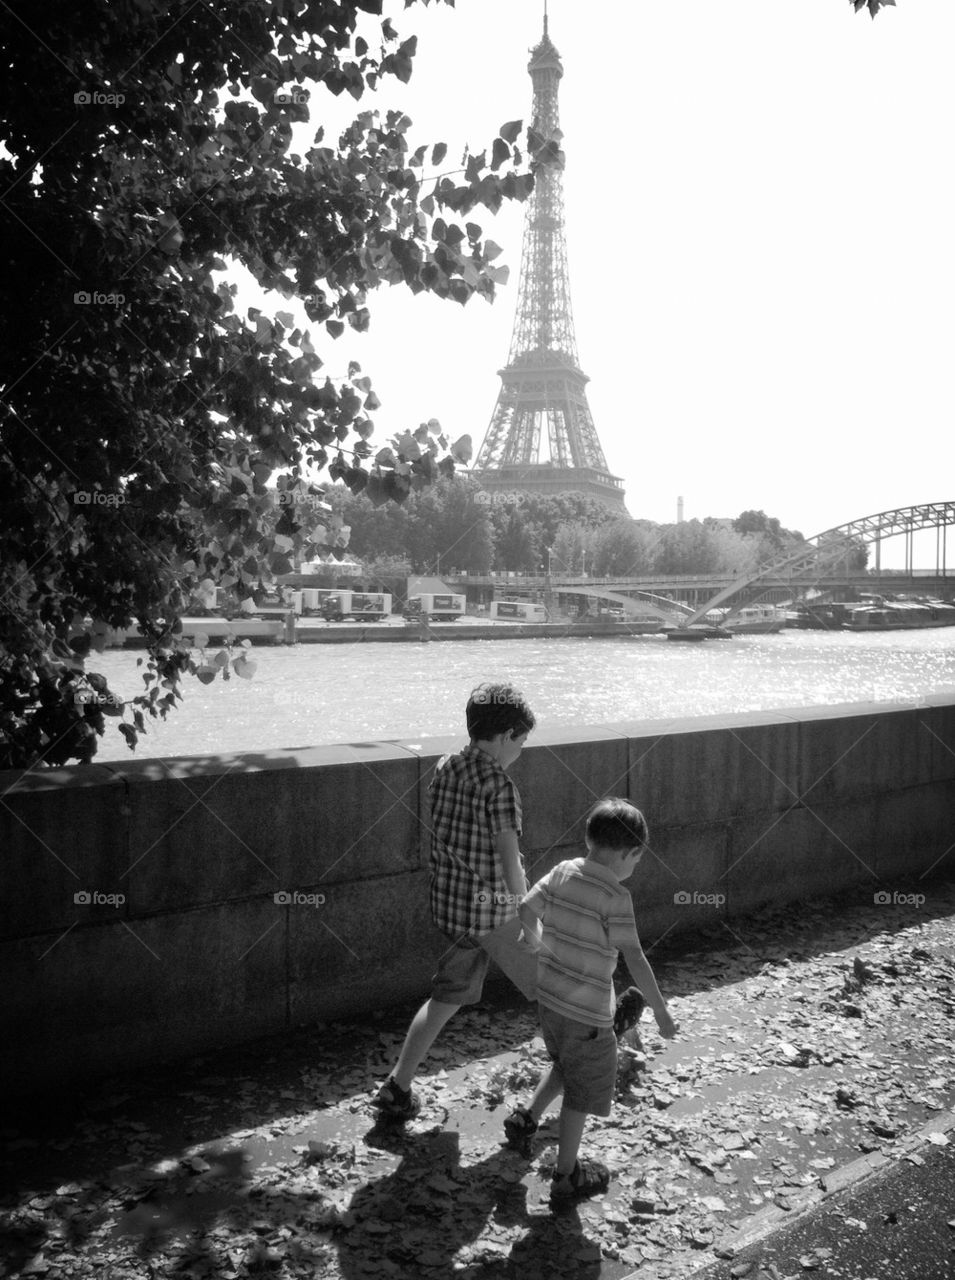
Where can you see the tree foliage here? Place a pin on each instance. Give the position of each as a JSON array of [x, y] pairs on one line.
[[872, 5], [150, 435]]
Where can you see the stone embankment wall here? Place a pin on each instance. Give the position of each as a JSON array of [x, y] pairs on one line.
[[157, 909]]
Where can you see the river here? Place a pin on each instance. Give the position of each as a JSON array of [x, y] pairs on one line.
[[312, 694]]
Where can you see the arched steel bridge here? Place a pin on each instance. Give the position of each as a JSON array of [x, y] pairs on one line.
[[828, 548], [822, 552]]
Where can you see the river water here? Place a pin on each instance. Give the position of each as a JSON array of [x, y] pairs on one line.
[[316, 693]]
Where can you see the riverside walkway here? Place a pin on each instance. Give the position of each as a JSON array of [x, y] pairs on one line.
[[815, 1048]]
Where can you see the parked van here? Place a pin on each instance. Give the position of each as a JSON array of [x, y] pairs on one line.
[[440, 608], [518, 611], [309, 599]]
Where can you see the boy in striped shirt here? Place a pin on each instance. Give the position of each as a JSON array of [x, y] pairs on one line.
[[579, 917]]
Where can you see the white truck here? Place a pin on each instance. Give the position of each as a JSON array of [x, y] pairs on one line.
[[439, 608], [517, 611]]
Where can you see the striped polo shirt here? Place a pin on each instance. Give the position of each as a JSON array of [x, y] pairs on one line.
[[586, 916]]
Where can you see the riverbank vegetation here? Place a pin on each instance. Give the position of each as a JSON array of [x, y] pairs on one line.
[[456, 526]]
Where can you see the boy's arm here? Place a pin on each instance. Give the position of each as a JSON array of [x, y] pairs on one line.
[[508, 852], [530, 910], [642, 974]]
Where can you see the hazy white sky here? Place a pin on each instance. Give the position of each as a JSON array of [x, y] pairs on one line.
[[760, 217]]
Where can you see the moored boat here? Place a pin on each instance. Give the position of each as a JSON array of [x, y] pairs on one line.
[[698, 632], [755, 620], [901, 615]]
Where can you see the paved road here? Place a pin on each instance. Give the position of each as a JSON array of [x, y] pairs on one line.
[[899, 1225]]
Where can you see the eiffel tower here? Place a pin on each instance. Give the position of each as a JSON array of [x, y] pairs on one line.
[[543, 398]]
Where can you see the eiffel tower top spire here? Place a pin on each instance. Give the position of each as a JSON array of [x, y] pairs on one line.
[[543, 401]]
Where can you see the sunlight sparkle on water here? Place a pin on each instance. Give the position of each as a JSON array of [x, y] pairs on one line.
[[314, 694]]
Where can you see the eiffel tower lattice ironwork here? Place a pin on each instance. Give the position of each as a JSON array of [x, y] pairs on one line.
[[543, 398]]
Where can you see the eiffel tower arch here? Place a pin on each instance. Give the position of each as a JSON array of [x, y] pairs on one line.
[[541, 437]]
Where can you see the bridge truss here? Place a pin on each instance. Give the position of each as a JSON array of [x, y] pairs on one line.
[[826, 549]]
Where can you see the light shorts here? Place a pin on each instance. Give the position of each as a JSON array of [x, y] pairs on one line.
[[586, 1057], [459, 977]]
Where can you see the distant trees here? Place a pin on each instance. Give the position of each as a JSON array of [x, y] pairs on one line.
[[457, 525], [516, 546], [625, 547]]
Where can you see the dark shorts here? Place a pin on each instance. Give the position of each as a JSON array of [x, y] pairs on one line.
[[587, 1059], [459, 977]]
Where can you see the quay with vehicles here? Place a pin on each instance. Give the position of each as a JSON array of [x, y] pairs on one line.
[[291, 630], [352, 617]]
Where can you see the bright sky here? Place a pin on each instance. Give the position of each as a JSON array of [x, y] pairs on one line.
[[759, 215]]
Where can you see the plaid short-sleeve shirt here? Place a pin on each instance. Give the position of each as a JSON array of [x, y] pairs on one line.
[[472, 801]]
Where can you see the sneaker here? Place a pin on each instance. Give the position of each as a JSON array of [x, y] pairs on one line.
[[588, 1178], [629, 1008], [519, 1126], [395, 1103]]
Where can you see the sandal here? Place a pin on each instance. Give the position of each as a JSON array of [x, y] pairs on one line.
[[394, 1103], [519, 1126], [588, 1178]]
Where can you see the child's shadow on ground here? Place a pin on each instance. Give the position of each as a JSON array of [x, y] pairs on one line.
[[431, 1208]]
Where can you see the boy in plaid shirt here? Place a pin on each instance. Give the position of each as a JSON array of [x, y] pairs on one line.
[[477, 879]]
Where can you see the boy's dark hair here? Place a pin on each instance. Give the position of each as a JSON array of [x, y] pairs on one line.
[[615, 824], [497, 708]]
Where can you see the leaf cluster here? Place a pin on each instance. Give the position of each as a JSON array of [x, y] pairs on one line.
[[151, 434]]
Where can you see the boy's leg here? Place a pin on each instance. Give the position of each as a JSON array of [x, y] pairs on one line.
[[568, 1141], [587, 1057], [458, 980], [425, 1028], [550, 1086], [521, 1125], [516, 959]]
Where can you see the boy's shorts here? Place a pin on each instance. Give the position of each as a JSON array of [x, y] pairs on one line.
[[587, 1059], [459, 978]]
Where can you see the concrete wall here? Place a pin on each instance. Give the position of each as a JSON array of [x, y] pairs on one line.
[[181, 944]]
